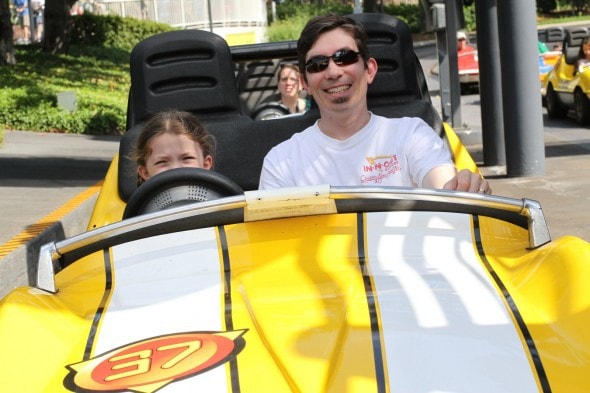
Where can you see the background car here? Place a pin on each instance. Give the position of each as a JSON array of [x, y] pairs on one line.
[[565, 88], [468, 65], [468, 68]]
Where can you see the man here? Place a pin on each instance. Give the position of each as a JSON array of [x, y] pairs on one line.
[[348, 145]]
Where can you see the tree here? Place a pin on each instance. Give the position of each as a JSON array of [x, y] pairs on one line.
[[58, 24], [6, 45], [370, 6]]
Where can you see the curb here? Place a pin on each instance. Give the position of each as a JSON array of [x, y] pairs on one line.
[[18, 257]]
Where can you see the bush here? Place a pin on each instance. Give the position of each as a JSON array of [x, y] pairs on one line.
[[113, 31], [292, 17], [96, 69], [546, 6], [408, 13], [98, 76]]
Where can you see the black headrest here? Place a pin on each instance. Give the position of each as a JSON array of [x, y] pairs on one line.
[[177, 69], [572, 42], [390, 43], [399, 88], [555, 34]]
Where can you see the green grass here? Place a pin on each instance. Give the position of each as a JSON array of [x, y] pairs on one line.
[[542, 20], [98, 76]]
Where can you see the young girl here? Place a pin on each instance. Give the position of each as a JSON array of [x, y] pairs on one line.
[[172, 139], [584, 55]]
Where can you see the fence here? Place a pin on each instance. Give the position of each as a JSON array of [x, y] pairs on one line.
[[238, 21]]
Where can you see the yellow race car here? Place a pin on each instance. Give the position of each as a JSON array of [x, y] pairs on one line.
[[567, 87], [199, 282]]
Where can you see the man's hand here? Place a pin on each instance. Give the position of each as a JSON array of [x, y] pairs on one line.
[[465, 180]]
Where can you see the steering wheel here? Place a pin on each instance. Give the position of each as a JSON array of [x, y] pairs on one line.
[[270, 111], [177, 187]]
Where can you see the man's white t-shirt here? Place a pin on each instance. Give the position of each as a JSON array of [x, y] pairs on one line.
[[386, 152]]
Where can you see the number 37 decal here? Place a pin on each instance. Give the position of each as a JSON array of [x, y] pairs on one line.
[[150, 364]]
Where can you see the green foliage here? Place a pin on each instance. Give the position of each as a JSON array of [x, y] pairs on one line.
[[287, 29], [113, 31], [469, 14], [546, 6], [294, 7], [577, 6], [292, 17], [98, 76], [409, 13], [96, 70]]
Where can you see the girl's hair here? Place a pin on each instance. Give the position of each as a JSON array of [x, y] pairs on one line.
[[289, 66], [173, 122]]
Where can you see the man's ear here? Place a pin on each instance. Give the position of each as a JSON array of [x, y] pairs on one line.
[[303, 83], [372, 68]]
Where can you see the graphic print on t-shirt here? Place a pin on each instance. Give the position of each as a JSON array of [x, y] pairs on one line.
[[379, 168]]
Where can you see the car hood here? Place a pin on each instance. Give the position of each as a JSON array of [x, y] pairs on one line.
[[407, 301]]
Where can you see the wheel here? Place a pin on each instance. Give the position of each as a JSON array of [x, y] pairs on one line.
[[582, 107], [270, 111], [554, 108], [177, 187]]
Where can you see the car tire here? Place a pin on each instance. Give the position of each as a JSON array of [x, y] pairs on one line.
[[582, 107], [554, 108]]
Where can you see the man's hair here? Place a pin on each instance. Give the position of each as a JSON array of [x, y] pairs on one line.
[[322, 24]]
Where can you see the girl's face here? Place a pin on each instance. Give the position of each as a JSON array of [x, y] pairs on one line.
[[586, 49], [170, 151]]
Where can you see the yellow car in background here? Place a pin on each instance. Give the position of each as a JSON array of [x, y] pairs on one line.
[[566, 87]]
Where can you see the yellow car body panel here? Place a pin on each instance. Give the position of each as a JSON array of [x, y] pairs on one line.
[[307, 303]]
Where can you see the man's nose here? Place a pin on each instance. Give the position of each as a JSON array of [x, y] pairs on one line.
[[333, 69]]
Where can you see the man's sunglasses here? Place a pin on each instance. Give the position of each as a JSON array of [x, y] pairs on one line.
[[342, 57]]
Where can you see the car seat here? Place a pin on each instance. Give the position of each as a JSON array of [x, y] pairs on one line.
[[188, 70]]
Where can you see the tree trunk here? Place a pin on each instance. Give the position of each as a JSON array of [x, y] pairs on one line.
[[370, 6], [6, 45], [58, 23]]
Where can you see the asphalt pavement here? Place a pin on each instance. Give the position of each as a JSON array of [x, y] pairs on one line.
[[39, 172]]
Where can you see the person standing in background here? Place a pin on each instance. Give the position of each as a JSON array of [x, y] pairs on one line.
[[23, 21], [38, 15], [463, 46]]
